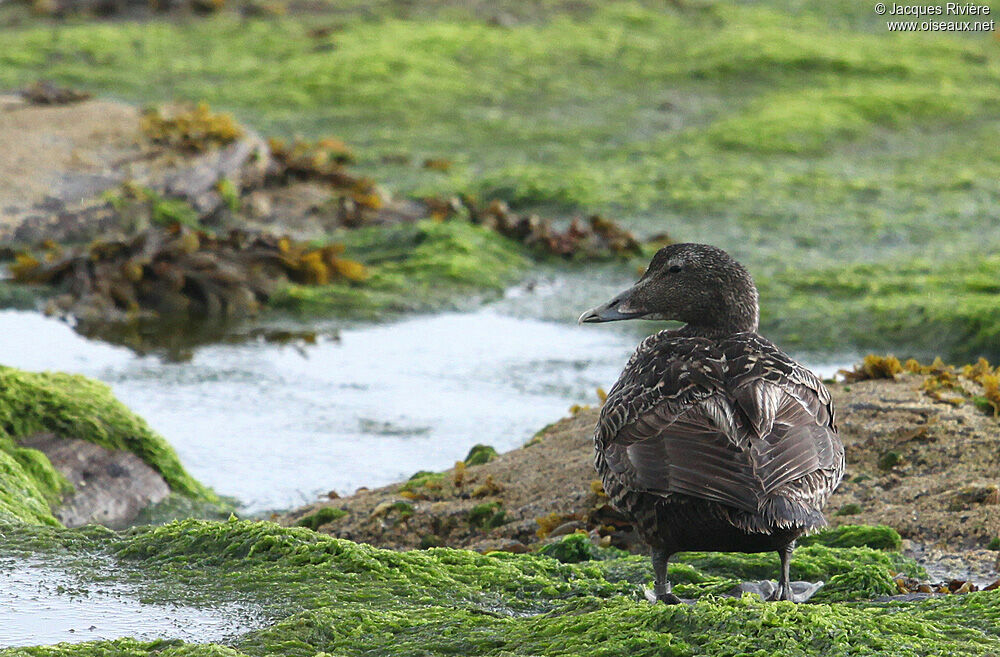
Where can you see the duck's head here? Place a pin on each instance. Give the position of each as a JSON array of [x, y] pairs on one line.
[[698, 284]]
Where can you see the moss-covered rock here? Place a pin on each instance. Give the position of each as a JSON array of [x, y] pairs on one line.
[[480, 454], [321, 517], [72, 406], [319, 594]]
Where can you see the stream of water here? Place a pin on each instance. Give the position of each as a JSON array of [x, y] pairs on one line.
[[43, 604]]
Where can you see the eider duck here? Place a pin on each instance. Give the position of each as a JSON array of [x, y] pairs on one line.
[[713, 438]]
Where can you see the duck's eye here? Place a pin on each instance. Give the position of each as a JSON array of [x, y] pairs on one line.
[[673, 269]]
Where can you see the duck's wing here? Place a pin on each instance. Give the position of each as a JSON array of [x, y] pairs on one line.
[[736, 422]]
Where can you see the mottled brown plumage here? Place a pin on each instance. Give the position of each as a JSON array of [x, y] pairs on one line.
[[712, 438]]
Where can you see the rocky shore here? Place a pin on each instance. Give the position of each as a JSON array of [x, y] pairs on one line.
[[545, 572]]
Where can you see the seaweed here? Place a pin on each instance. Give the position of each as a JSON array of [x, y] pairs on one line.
[[877, 537], [874, 367], [573, 548], [178, 271], [487, 515], [322, 594], [851, 509], [321, 517], [190, 128], [977, 383], [479, 455]]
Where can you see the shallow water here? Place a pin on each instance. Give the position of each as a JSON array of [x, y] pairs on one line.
[[276, 426], [42, 604]]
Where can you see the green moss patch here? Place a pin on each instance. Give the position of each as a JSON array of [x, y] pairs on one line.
[[487, 515], [320, 594], [72, 406], [316, 520], [480, 454]]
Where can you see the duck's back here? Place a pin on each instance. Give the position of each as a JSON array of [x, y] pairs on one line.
[[730, 427]]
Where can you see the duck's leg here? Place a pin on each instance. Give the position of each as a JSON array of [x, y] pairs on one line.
[[787, 589], [784, 590], [661, 585]]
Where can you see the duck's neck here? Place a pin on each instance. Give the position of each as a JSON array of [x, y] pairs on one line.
[[738, 316]]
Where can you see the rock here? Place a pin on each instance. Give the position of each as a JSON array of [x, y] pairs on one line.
[[500, 545], [566, 528], [111, 487], [243, 163], [60, 159]]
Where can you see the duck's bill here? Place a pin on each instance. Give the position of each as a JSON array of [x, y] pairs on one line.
[[615, 310]]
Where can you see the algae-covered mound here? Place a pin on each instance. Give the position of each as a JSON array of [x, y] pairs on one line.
[[70, 406], [945, 306], [416, 266], [321, 594]]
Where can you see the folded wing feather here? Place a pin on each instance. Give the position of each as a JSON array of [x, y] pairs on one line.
[[735, 447]]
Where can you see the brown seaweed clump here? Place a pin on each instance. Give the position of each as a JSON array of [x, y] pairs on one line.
[[874, 367], [45, 92], [194, 129], [360, 198], [596, 238], [948, 587], [978, 383], [178, 272]]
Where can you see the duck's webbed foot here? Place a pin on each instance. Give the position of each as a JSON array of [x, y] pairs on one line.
[[666, 598], [795, 591], [661, 586], [786, 589]]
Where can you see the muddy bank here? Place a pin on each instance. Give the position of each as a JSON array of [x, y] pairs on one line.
[[926, 468]]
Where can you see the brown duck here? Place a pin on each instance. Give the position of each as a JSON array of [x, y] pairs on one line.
[[713, 438]]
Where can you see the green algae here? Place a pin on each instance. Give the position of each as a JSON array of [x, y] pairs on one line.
[[487, 515], [71, 406], [810, 121], [945, 307], [578, 547], [177, 506], [875, 581], [878, 537], [316, 520], [321, 594], [22, 497], [849, 509], [421, 266], [424, 479], [814, 562], [480, 454]]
